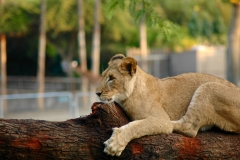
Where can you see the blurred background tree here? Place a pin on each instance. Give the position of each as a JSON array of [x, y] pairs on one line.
[[233, 51], [171, 25], [14, 22], [41, 53]]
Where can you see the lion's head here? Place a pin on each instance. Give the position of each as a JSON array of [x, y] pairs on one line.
[[118, 79]]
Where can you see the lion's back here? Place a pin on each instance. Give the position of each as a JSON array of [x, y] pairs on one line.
[[179, 90]]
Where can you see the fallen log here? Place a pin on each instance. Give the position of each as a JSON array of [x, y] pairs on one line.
[[82, 138]]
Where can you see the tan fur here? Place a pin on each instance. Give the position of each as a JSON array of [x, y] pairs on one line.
[[184, 103]]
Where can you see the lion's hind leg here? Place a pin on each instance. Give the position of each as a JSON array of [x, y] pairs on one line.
[[213, 104], [227, 108]]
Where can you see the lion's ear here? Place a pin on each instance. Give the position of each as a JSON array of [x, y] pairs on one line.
[[116, 57], [129, 66]]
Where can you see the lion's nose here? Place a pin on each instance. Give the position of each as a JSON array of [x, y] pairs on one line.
[[98, 94]]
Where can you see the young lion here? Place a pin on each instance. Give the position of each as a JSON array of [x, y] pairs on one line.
[[185, 103]]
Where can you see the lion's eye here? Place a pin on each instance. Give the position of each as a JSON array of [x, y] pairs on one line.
[[111, 78]]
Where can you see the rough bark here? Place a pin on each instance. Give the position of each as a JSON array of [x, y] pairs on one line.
[[83, 138]]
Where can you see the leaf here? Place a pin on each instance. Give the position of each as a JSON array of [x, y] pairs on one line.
[[122, 4], [139, 15], [132, 7], [111, 7]]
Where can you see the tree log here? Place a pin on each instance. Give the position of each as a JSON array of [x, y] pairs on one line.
[[82, 138]]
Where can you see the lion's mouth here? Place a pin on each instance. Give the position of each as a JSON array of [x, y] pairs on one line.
[[107, 100]]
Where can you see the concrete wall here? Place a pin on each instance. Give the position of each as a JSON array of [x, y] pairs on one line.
[[182, 63], [209, 60], [212, 60], [202, 59]]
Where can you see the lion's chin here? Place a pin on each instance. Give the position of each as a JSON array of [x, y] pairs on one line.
[[107, 101]]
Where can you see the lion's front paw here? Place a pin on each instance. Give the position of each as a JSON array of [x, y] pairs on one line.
[[116, 144]]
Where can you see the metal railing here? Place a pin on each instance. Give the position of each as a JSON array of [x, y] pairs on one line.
[[52, 84], [75, 101]]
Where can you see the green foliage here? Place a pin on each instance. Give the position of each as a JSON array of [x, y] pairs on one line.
[[51, 50], [61, 16], [171, 25], [140, 9], [112, 5], [14, 17], [179, 23], [205, 20]]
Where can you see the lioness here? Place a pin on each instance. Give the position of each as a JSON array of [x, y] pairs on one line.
[[186, 103]]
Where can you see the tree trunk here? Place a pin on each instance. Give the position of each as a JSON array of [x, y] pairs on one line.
[[81, 37], [3, 52], [82, 49], [96, 39], [83, 138], [233, 51], [41, 54], [143, 44]]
